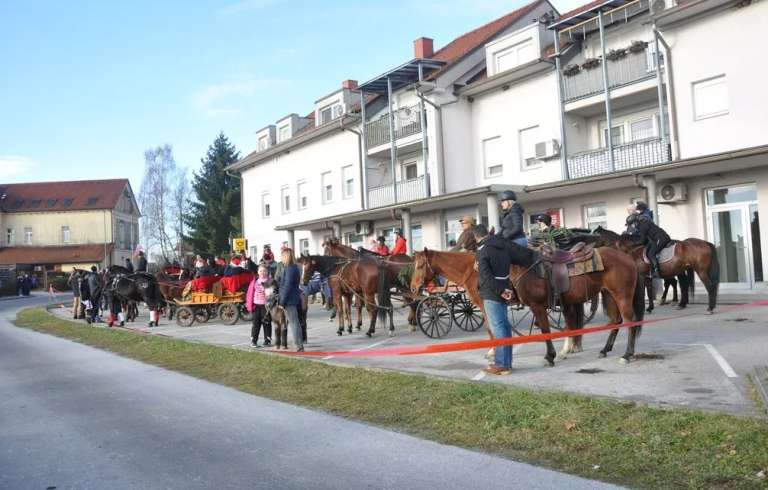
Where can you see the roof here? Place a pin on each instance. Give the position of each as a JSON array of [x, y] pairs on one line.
[[590, 10], [401, 76], [70, 254], [75, 195]]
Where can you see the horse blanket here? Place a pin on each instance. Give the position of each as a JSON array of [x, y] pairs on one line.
[[665, 255]]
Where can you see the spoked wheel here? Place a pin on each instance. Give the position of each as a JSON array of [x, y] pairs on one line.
[[202, 315], [245, 315], [228, 313], [591, 308], [185, 317], [434, 317], [467, 316]]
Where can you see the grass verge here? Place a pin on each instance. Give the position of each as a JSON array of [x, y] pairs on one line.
[[623, 443]]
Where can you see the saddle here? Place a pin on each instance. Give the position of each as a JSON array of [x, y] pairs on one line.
[[667, 254], [561, 265]]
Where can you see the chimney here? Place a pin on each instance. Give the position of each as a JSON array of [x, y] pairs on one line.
[[423, 47], [349, 84]]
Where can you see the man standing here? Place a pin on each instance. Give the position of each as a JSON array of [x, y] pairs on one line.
[[400, 247], [654, 238], [94, 289], [141, 262], [129, 265], [74, 284], [493, 261], [466, 241], [512, 219]]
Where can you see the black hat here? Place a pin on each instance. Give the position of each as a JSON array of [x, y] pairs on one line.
[[381, 239], [93, 268], [508, 196], [641, 206], [544, 218], [399, 231]]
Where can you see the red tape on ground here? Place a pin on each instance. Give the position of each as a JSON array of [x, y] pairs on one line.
[[486, 344]]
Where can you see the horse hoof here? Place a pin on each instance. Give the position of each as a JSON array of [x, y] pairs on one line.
[[681, 307], [549, 363], [710, 311], [623, 360], [602, 354], [391, 334], [368, 334], [339, 333]]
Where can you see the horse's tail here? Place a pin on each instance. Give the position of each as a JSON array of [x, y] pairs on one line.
[[638, 301], [713, 272], [384, 296], [690, 280]]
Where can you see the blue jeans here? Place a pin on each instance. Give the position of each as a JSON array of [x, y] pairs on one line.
[[522, 241], [496, 311]]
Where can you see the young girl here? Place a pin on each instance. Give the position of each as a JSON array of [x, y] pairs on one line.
[[255, 301]]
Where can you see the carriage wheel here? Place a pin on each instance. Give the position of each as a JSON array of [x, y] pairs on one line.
[[434, 317], [228, 313], [245, 315], [202, 315], [467, 316], [185, 317], [592, 305]]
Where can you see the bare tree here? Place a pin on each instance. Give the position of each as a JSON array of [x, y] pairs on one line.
[[179, 206], [156, 198]]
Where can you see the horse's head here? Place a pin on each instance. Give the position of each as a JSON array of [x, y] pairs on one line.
[[308, 266], [422, 270]]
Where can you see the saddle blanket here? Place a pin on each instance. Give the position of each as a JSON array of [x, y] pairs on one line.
[[594, 264], [665, 255]]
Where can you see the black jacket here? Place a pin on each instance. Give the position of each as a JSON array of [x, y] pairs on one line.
[[650, 232], [141, 264], [512, 222], [94, 285], [493, 261]]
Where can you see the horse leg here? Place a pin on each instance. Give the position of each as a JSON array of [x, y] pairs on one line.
[[542, 320], [649, 291], [674, 290], [615, 317], [338, 301], [710, 286], [370, 305], [359, 326], [625, 305], [667, 284]]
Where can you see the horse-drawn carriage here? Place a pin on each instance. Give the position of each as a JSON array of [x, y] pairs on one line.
[[438, 312], [201, 307]]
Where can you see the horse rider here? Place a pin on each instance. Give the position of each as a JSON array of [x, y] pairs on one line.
[[141, 262], [549, 234], [512, 219], [466, 241], [641, 208], [654, 238], [381, 247], [129, 266], [493, 259], [400, 247]]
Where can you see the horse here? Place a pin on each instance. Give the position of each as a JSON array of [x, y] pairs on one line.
[[328, 267], [171, 288], [620, 279], [393, 264], [691, 254], [138, 287]]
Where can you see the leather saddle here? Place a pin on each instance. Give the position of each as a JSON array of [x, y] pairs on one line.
[[556, 262]]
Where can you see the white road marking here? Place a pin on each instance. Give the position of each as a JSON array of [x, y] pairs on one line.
[[362, 348], [727, 369], [238, 345]]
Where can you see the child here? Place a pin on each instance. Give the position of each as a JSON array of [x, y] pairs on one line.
[[255, 302]]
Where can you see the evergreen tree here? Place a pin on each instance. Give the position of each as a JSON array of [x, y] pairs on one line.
[[215, 213]]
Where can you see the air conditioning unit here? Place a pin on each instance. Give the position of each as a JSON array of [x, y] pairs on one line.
[[674, 192], [547, 149], [364, 227]]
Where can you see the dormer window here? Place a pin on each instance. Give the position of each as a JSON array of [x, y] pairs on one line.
[[283, 133], [263, 143], [330, 112]]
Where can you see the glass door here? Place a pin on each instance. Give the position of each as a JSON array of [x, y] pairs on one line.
[[730, 232]]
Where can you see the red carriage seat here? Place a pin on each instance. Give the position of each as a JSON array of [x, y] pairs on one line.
[[204, 284], [233, 284]]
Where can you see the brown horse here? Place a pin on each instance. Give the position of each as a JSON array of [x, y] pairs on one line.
[[328, 267], [619, 279], [393, 264], [691, 254]]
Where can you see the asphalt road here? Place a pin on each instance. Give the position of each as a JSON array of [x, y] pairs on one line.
[[76, 417]]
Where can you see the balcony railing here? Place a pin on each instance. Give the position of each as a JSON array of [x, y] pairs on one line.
[[407, 190], [634, 67], [407, 122], [638, 154]]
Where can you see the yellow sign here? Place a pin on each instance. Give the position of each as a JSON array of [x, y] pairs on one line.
[[239, 244]]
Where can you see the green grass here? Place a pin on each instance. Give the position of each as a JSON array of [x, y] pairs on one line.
[[624, 443]]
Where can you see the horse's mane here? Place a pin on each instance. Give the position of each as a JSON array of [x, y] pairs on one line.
[[325, 263]]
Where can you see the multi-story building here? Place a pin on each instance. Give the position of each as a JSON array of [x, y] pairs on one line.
[[56, 226], [582, 114]]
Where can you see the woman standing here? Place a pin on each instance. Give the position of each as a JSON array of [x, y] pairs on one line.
[[255, 302], [290, 295]]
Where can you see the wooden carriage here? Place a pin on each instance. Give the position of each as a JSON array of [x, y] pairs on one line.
[[201, 307]]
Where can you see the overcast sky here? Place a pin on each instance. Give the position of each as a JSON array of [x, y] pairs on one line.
[[87, 86]]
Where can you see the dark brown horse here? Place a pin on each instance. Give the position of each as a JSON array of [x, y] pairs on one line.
[[691, 254], [343, 297], [619, 280]]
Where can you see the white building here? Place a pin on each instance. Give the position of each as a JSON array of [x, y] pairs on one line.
[[504, 106]]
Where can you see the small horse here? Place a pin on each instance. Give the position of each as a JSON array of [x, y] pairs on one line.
[[619, 278], [328, 267], [691, 254]]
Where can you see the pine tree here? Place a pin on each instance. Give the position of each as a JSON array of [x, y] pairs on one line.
[[215, 213]]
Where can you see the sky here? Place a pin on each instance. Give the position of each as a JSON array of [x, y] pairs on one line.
[[87, 86]]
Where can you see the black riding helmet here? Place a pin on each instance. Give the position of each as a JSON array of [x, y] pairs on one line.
[[544, 218], [508, 196], [641, 206]]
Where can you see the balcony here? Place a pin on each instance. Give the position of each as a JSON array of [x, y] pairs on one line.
[[633, 68], [637, 154], [407, 190], [407, 123]]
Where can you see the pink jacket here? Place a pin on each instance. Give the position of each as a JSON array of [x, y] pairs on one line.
[[256, 294]]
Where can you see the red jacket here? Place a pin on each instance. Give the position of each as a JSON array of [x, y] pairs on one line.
[[399, 248], [382, 250]]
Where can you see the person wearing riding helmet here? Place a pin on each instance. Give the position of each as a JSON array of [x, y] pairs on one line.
[[641, 208], [381, 248], [512, 219], [400, 247], [653, 237]]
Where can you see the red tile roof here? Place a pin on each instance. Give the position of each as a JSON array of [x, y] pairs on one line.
[[70, 254], [61, 196]]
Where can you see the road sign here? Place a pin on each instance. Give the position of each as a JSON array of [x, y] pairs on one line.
[[239, 244]]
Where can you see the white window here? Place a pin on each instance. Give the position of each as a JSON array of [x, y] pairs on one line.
[[338, 110], [410, 170], [27, 236], [304, 246], [347, 181], [354, 240], [452, 229], [285, 199], [327, 187], [596, 215], [528, 139], [283, 133], [710, 98], [492, 157], [263, 143], [642, 129], [66, 235], [301, 194], [515, 55], [10, 236], [417, 238], [265, 210], [617, 136]]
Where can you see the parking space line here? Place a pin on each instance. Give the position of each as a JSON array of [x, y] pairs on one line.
[[478, 376], [727, 369]]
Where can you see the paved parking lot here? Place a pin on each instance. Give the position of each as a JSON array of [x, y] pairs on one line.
[[692, 360]]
